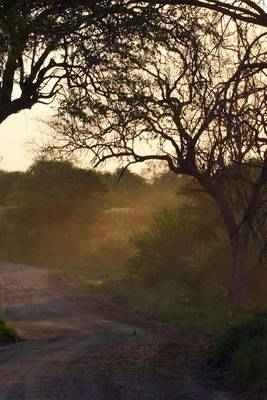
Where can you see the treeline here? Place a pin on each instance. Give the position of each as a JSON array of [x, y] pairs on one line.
[[58, 214], [163, 240]]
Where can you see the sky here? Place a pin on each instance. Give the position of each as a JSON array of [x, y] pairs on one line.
[[19, 130], [15, 134]]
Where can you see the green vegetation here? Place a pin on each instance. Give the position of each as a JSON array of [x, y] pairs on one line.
[[243, 350], [249, 363], [44, 211], [181, 245], [242, 333], [58, 215], [171, 303], [177, 86], [158, 247], [7, 331]]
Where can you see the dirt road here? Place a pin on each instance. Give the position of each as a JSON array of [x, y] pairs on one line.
[[79, 347]]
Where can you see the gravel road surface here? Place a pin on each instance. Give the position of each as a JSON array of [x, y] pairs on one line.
[[78, 346]]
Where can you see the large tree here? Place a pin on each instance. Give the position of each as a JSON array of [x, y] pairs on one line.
[[184, 99], [46, 46], [194, 99]]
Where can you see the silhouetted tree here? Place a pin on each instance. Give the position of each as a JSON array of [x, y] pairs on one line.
[[196, 101], [244, 10], [46, 46]]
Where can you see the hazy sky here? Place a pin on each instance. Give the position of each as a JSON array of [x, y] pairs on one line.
[[15, 132]]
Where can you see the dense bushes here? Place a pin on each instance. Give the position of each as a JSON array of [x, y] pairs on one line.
[[48, 212], [249, 363], [58, 214], [185, 244], [61, 215], [243, 349]]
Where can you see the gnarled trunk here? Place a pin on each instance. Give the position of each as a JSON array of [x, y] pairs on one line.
[[237, 239], [239, 248]]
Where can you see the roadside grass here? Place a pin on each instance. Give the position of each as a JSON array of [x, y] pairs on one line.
[[204, 320], [7, 331], [169, 303], [95, 275]]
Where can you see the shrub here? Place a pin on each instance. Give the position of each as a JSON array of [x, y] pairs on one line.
[[241, 334], [243, 350], [184, 244], [249, 363], [7, 331]]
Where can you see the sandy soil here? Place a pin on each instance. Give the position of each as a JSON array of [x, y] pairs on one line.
[[78, 346]]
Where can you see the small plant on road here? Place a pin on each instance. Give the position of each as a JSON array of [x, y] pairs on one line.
[[7, 331]]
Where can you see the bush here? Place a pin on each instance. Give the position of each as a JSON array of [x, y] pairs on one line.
[[7, 331], [241, 334], [183, 244], [249, 363], [243, 349]]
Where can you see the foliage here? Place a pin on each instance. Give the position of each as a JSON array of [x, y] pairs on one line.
[[7, 181], [58, 214], [241, 334], [63, 42], [178, 246], [7, 331], [50, 209], [171, 302], [243, 349], [184, 98], [48, 46], [249, 363]]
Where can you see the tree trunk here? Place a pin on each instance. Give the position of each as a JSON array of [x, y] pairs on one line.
[[237, 239], [237, 289]]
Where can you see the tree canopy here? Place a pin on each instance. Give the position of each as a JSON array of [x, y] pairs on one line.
[[151, 80], [46, 46], [48, 211], [194, 97]]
